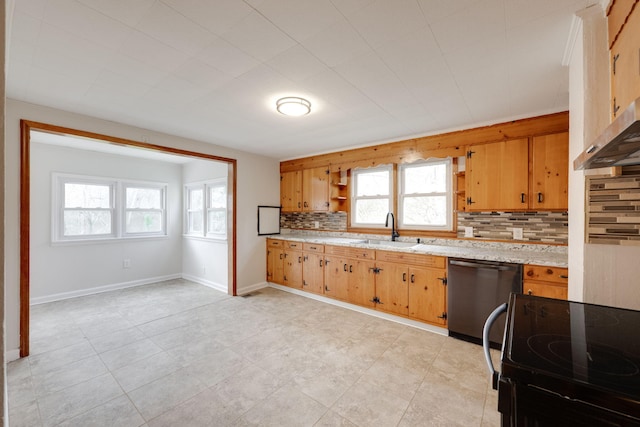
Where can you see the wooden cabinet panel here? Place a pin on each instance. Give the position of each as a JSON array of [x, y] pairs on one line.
[[291, 191], [550, 172], [616, 17], [546, 274], [428, 295], [411, 258], [392, 288], [545, 289], [292, 269], [497, 176], [315, 189], [336, 277], [358, 253], [313, 272], [625, 63], [362, 283], [313, 247], [275, 265]]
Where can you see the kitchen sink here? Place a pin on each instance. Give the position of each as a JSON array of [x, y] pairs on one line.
[[391, 244]]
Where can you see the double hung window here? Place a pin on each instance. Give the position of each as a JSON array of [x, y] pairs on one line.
[[425, 195], [91, 208], [206, 209], [372, 196]]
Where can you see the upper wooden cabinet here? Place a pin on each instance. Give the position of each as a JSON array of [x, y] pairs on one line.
[[550, 172], [305, 191], [497, 176], [291, 191], [624, 42], [519, 174]]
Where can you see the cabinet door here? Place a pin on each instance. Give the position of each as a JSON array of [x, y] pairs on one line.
[[392, 288], [315, 189], [336, 277], [428, 295], [550, 172], [497, 176], [545, 289], [293, 269], [625, 65], [362, 283], [313, 272], [291, 191], [275, 265]]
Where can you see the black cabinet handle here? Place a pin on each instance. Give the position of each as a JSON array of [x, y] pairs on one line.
[[522, 196], [564, 276], [320, 263], [345, 267], [404, 277], [539, 197], [281, 256], [299, 260], [350, 268], [306, 205], [413, 278]]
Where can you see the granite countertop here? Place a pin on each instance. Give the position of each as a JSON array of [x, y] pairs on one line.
[[519, 253]]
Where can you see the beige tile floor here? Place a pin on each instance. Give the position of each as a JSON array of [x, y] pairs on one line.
[[179, 354]]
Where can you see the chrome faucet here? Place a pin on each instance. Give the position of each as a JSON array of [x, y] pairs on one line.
[[394, 232]]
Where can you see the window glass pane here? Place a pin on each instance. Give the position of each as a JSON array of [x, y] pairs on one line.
[[371, 211], [425, 179], [143, 222], [196, 199], [86, 223], [216, 222], [144, 198], [425, 211], [372, 183], [195, 222], [87, 196], [218, 197]]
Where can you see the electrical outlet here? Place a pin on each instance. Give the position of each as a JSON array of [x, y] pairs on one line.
[[468, 232], [316, 224], [126, 263], [517, 233]]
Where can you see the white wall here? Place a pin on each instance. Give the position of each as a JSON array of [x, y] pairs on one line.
[[67, 270], [205, 260], [258, 184]]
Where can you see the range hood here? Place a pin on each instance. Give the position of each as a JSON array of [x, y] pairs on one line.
[[618, 145]]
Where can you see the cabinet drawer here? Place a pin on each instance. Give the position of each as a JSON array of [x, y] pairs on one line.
[[357, 253], [275, 243], [546, 274], [617, 15], [296, 246], [313, 247], [545, 289], [410, 258]]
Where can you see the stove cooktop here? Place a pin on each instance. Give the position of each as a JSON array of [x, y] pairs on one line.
[[584, 344]]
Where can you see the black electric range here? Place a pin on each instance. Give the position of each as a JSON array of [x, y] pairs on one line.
[[569, 364]]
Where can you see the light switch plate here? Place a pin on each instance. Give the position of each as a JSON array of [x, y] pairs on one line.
[[468, 232], [517, 233]]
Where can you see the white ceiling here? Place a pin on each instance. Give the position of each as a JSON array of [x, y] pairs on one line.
[[374, 70]]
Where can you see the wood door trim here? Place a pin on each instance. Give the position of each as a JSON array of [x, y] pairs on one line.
[[25, 193]]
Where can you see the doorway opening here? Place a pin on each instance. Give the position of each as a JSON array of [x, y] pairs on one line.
[[93, 139]]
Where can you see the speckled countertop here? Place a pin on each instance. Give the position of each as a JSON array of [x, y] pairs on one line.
[[519, 253]]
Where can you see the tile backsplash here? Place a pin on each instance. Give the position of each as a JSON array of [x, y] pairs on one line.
[[613, 208], [547, 227]]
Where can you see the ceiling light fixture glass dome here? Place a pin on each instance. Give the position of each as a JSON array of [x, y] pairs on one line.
[[293, 106]]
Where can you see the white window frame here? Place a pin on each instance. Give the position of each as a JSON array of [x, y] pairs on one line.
[[205, 187], [355, 198], [117, 207], [124, 185], [448, 193]]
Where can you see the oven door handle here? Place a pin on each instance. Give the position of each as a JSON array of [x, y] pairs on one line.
[[485, 342]]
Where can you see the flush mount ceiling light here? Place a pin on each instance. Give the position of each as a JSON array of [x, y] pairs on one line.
[[293, 106]]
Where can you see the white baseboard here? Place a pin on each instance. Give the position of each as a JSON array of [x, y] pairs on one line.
[[252, 288], [11, 355], [100, 289], [199, 280], [374, 313]]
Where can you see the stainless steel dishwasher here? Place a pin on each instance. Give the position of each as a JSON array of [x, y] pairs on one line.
[[474, 290]]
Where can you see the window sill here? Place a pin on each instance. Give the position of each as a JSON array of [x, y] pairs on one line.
[[221, 239], [108, 240]]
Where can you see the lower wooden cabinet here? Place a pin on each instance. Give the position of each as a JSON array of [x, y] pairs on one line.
[[406, 284], [549, 282]]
